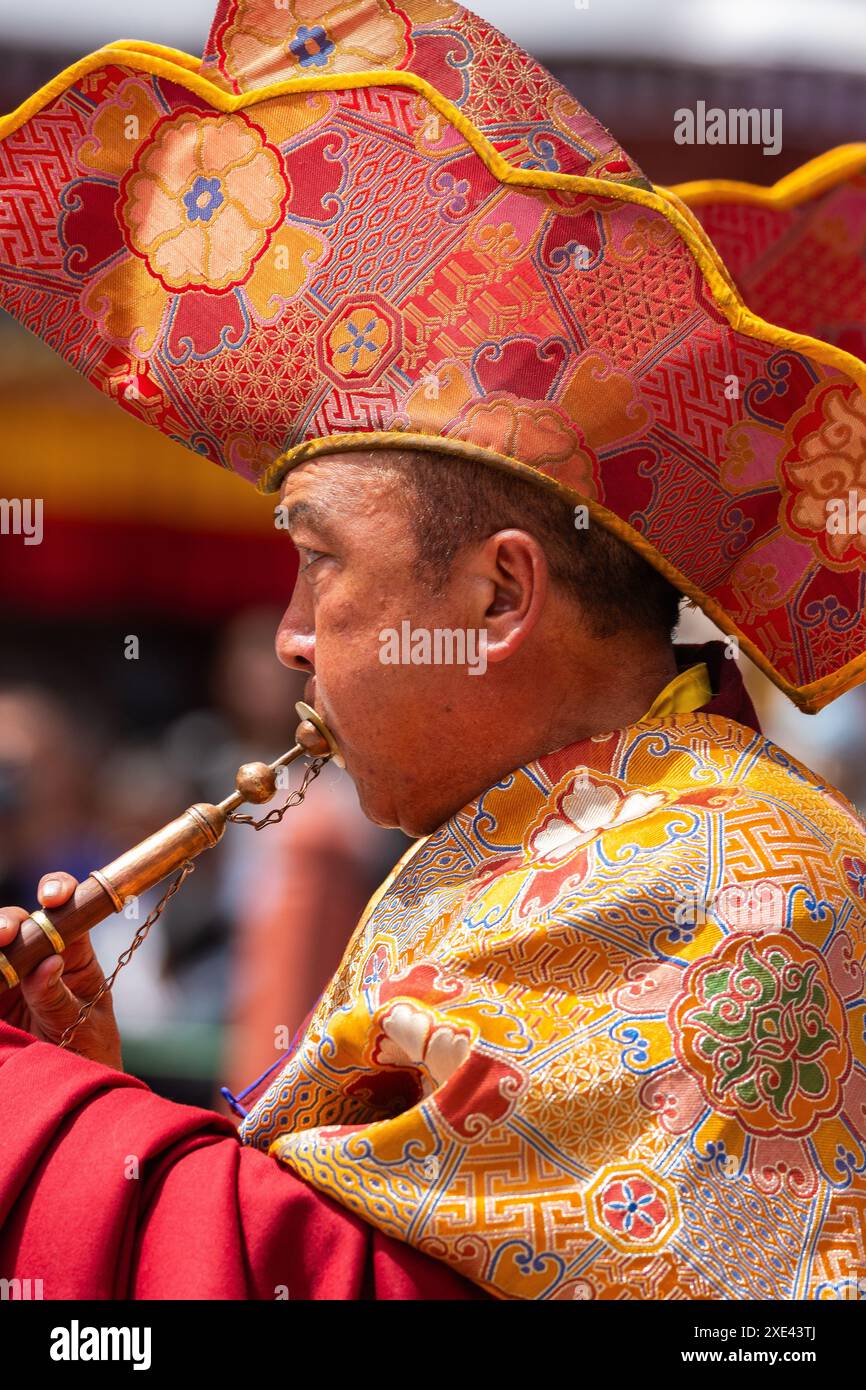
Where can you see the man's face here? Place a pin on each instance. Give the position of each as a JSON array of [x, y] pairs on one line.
[[357, 563]]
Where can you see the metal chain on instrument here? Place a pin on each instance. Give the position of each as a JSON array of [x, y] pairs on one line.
[[272, 818], [311, 772], [126, 956]]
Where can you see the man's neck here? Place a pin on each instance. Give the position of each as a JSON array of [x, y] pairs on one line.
[[563, 712], [618, 692]]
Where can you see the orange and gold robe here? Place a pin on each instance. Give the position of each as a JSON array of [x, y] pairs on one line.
[[603, 1034]]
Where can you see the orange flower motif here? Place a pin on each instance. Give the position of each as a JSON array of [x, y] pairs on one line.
[[357, 341], [764, 1051], [760, 1027], [182, 231], [536, 432], [262, 41], [825, 475], [201, 200], [632, 1208]]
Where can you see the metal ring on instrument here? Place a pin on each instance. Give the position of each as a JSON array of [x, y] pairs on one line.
[[8, 971], [108, 887], [49, 929]]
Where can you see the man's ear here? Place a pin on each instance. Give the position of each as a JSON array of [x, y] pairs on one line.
[[513, 577]]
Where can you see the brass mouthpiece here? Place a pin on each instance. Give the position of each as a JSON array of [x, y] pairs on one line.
[[314, 736], [257, 782]]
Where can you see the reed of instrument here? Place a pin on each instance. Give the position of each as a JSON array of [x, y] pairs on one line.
[[200, 827]]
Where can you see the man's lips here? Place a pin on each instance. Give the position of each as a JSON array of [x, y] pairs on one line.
[[310, 699]]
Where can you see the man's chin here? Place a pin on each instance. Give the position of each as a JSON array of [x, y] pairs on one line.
[[380, 808], [373, 804]]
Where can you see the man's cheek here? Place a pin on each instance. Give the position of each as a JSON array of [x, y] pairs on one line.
[[340, 615], [347, 671]]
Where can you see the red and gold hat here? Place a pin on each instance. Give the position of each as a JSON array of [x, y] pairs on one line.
[[369, 225]]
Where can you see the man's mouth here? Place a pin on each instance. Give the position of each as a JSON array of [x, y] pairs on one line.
[[310, 699]]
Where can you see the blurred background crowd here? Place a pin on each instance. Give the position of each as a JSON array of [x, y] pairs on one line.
[[103, 740]]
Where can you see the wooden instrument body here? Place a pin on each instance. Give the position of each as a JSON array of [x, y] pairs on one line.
[[106, 890]]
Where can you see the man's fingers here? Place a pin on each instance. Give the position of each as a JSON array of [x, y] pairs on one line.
[[47, 997], [79, 959], [56, 888], [10, 920], [53, 891], [82, 970], [79, 955]]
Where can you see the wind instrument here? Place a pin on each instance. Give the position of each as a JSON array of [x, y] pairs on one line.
[[200, 827]]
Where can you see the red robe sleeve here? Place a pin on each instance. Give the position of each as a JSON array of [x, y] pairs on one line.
[[205, 1217]]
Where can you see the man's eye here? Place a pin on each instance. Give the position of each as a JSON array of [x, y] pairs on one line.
[[310, 558]]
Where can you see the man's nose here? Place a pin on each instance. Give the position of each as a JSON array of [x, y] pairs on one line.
[[295, 642]]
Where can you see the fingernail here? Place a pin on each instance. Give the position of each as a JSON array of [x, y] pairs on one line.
[[4, 923], [51, 887]]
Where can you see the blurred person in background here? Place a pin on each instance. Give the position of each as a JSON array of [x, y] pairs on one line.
[[47, 794]]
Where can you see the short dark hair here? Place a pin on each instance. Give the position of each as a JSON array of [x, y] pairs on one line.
[[453, 501]]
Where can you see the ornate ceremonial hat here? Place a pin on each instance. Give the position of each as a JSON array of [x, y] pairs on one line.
[[366, 224]]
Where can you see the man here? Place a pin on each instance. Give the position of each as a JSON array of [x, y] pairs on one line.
[[382, 565], [525, 948], [599, 1035]]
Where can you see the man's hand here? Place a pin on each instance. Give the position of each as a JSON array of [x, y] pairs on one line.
[[49, 998]]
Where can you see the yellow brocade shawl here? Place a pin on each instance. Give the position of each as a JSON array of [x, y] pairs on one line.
[[603, 1034]]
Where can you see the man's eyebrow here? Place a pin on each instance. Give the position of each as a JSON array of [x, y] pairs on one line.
[[309, 514]]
